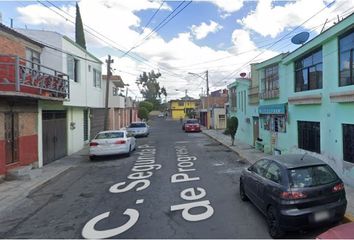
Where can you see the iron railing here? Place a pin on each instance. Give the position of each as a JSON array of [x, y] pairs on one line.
[[20, 75], [269, 93]]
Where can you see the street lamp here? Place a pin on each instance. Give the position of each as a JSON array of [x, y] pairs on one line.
[[206, 77]]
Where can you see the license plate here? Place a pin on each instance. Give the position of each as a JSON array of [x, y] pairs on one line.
[[321, 216]]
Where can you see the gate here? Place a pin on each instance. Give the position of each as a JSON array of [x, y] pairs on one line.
[[54, 135]]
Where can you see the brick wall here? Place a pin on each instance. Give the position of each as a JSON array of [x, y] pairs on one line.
[[11, 45]]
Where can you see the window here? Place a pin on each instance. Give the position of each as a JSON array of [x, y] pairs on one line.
[[309, 136], [180, 103], [274, 123], [110, 135], [33, 58], [308, 72], [271, 78], [274, 173], [311, 176], [346, 64], [115, 91], [73, 68], [96, 78], [348, 142], [260, 167]]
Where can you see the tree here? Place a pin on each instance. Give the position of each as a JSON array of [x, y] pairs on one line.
[[150, 88], [232, 125], [143, 113], [79, 29], [147, 105]]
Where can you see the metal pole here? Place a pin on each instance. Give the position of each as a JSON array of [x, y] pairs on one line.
[[207, 83], [108, 61]]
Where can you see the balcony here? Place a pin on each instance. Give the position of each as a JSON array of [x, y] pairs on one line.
[[269, 94], [253, 95], [20, 77]]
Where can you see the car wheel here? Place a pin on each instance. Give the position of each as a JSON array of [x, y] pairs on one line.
[[242, 193], [274, 228], [92, 158], [130, 150]]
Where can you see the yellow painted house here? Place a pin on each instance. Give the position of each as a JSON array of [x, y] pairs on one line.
[[181, 108]]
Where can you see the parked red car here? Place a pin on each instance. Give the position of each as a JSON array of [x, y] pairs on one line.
[[344, 231], [192, 125]]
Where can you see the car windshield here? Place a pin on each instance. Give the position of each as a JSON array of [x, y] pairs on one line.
[[137, 125], [192, 121], [311, 176], [110, 135]]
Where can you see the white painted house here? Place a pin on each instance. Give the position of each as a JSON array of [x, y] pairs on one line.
[[64, 128]]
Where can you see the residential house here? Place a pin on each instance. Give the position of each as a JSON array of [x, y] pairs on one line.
[[26, 82], [65, 127], [320, 92], [183, 108], [215, 104], [272, 109], [246, 113], [122, 110]]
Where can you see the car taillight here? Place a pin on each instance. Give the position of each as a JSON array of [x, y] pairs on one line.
[[338, 187], [120, 142], [93, 144], [292, 195]]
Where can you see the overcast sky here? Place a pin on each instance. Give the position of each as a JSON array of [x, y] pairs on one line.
[[221, 36]]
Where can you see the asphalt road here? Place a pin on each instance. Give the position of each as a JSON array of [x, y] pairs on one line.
[[175, 185]]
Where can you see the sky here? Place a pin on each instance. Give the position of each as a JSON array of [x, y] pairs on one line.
[[177, 38]]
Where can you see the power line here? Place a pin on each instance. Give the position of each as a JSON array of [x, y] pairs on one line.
[[158, 27], [238, 69], [144, 61], [152, 17]]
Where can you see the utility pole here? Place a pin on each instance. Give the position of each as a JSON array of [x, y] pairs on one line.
[[207, 85], [109, 61]]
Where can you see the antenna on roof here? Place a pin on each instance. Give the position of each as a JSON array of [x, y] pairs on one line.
[[300, 38], [303, 156], [324, 25]]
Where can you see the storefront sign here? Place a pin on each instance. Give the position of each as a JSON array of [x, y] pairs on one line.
[[272, 109]]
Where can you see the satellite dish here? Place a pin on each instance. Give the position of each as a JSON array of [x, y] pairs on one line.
[[243, 74], [300, 38]]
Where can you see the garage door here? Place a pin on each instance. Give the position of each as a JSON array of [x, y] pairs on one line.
[[97, 121], [54, 135]]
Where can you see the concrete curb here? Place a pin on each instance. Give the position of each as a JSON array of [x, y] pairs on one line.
[[348, 217], [229, 147], [46, 182]]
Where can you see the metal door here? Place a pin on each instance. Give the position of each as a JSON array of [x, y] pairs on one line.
[[54, 135], [11, 137], [97, 121]]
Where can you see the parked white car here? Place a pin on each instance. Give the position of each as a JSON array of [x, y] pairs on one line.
[[111, 143], [139, 129]]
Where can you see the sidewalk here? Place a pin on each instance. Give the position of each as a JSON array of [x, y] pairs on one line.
[[249, 154], [12, 192]]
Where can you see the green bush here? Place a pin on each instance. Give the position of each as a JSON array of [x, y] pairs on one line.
[[143, 113], [231, 126], [147, 105]]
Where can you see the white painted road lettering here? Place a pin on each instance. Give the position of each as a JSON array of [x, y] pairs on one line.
[[205, 210], [142, 170]]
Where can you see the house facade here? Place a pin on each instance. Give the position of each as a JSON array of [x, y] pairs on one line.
[[26, 81], [306, 100], [65, 127], [180, 109]]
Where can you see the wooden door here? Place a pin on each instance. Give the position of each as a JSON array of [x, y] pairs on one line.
[[11, 137]]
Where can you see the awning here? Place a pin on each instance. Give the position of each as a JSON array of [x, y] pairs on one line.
[[272, 109]]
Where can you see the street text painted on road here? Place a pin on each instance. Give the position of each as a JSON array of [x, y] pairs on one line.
[[142, 170], [185, 164]]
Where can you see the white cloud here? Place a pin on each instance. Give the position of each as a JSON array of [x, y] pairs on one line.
[[270, 20], [204, 29], [174, 58], [228, 5]]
